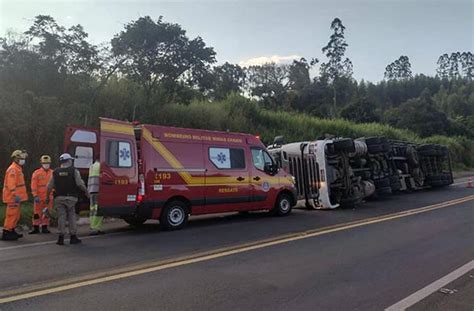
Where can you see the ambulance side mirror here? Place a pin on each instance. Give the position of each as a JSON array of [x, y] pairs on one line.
[[270, 168]]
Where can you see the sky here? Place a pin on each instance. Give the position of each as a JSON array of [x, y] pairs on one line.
[[253, 32]]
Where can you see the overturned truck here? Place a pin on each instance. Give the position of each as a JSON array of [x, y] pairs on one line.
[[343, 172], [323, 175]]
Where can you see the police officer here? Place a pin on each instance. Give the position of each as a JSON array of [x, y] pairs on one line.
[[66, 183]]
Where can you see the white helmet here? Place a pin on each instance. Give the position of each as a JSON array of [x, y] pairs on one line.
[[65, 157]]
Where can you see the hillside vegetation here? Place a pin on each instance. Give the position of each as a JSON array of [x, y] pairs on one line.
[[239, 114]]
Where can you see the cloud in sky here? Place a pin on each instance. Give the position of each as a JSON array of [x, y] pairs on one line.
[[277, 59]]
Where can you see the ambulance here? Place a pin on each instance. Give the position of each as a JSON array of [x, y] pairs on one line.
[[168, 173]]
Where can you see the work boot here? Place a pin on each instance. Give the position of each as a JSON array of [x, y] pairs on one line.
[[9, 236], [35, 230], [44, 229], [60, 240], [74, 240], [19, 235]]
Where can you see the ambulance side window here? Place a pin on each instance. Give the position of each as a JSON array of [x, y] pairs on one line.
[[119, 154], [260, 157], [227, 158]]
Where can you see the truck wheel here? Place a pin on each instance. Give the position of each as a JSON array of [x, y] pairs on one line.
[[395, 183], [174, 216], [134, 221], [345, 144], [352, 202], [283, 205], [373, 140], [375, 148], [382, 183]]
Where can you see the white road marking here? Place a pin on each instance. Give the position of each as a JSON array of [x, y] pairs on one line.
[[431, 288]]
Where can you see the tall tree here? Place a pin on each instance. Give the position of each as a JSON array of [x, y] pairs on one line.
[[453, 66], [443, 66], [227, 78], [467, 65], [338, 66], [270, 83], [158, 52], [68, 49], [400, 69], [298, 74]]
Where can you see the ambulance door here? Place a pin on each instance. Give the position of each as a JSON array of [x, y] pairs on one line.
[[82, 144], [265, 184], [118, 168], [227, 179]]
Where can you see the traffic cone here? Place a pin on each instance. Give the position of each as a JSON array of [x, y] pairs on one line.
[[469, 182]]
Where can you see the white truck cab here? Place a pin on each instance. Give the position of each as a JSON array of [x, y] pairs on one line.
[[323, 176]]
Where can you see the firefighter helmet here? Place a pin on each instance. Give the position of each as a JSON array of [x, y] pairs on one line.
[[45, 159], [19, 154]]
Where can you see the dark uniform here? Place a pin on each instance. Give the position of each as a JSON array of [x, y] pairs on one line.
[[66, 183]]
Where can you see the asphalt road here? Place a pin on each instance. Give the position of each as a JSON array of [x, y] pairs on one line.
[[364, 267]]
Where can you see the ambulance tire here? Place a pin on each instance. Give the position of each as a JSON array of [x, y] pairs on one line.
[[174, 216], [134, 221], [283, 205]]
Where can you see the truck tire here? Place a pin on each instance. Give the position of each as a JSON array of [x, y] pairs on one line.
[[345, 144], [134, 221], [373, 140], [174, 215], [395, 183], [283, 205], [352, 202], [382, 183], [375, 148]]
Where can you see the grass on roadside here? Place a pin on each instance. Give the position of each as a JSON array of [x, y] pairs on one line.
[[26, 215]]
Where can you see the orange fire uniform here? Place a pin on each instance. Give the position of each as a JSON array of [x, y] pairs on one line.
[[14, 192], [39, 183]]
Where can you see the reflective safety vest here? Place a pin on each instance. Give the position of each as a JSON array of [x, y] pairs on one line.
[[14, 184], [94, 176], [39, 182]]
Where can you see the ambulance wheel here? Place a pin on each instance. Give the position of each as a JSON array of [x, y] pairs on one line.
[[283, 205], [134, 221], [174, 216]]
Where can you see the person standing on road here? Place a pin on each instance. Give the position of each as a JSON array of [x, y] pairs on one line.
[[66, 182], [14, 192], [39, 183], [93, 188]]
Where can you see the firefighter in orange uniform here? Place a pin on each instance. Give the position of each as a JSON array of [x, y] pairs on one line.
[[14, 192], [39, 182]]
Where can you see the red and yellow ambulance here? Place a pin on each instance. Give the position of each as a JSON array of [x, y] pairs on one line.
[[169, 173]]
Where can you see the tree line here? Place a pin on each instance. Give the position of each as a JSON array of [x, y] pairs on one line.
[[51, 75]]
